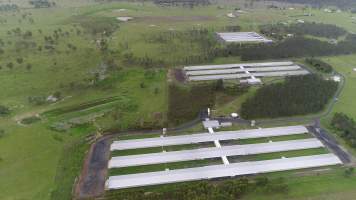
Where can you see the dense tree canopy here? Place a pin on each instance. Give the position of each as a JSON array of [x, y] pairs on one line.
[[319, 65], [296, 96], [278, 31], [4, 110], [185, 104], [347, 126], [346, 4]]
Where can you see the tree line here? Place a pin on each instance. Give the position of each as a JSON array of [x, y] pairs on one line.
[[224, 190], [346, 126], [42, 3], [345, 4], [319, 65], [279, 31], [8, 7], [297, 95]]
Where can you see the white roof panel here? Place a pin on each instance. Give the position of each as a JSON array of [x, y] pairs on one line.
[[243, 37], [206, 137], [218, 77], [239, 70], [213, 152], [229, 66], [282, 73], [216, 171]]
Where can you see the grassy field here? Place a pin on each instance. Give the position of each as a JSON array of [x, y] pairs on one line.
[[329, 185], [33, 163], [345, 66]]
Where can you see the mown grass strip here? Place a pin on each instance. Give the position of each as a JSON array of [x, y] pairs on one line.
[[162, 167], [161, 149], [267, 139], [278, 155]]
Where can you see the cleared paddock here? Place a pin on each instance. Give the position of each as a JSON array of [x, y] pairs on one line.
[[218, 171]]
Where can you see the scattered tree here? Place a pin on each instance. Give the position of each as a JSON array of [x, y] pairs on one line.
[[4, 110]]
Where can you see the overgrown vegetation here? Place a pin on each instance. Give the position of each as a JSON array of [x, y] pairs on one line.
[[83, 106], [30, 120], [346, 126], [319, 65], [226, 190], [296, 96]]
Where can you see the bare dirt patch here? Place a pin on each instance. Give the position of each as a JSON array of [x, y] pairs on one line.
[[92, 180], [179, 75]]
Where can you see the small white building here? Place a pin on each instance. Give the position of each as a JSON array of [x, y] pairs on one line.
[[234, 115], [336, 78], [254, 81], [124, 19], [231, 15]]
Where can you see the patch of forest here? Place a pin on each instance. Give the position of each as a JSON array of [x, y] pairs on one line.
[[185, 104], [279, 31], [346, 126], [319, 65], [296, 96]]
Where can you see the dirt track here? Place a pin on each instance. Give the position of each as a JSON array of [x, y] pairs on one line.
[[92, 179]]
